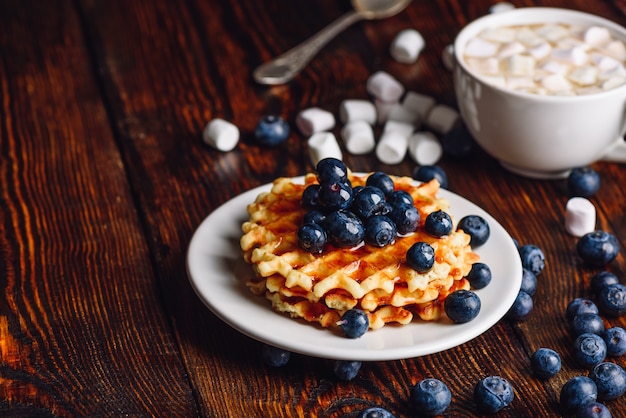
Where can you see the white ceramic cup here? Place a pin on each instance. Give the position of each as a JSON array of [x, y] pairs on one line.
[[535, 135]]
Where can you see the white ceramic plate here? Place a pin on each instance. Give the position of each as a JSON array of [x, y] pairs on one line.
[[218, 275]]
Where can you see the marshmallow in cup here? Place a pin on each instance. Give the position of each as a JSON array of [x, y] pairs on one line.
[[534, 135]]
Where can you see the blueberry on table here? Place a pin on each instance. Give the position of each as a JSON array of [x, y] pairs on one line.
[[479, 275], [576, 392], [406, 217], [271, 130], [580, 305], [274, 356], [492, 394], [379, 231], [587, 323], [458, 142], [421, 257], [597, 248], [612, 300], [399, 197], [345, 369], [593, 410], [331, 169], [430, 397], [312, 238], [354, 323], [438, 224], [522, 306], [369, 201], [462, 306], [476, 227], [589, 350], [375, 412], [532, 258], [602, 279], [529, 282], [344, 229], [545, 363], [334, 195], [426, 173], [382, 181], [610, 379], [583, 182], [615, 340]]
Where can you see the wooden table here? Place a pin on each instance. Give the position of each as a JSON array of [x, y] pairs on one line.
[[104, 179]]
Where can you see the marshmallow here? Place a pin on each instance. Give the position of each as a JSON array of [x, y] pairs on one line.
[[520, 65], [500, 7], [580, 216], [616, 49], [418, 103], [400, 113], [584, 76], [221, 135], [402, 128], [486, 66], [613, 82], [442, 118], [480, 48], [392, 146], [382, 110], [384, 87], [555, 67], [511, 48], [604, 62], [313, 120], [447, 57], [406, 46], [424, 148], [323, 145], [358, 137], [596, 36], [498, 35], [552, 32], [528, 37], [540, 51], [575, 56], [555, 83], [353, 110]]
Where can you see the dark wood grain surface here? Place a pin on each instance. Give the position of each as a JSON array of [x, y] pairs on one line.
[[104, 179]]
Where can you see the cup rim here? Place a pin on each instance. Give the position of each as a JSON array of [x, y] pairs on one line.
[[533, 15]]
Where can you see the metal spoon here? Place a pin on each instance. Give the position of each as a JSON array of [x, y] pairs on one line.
[[286, 66]]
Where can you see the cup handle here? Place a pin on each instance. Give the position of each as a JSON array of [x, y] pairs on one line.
[[616, 152]]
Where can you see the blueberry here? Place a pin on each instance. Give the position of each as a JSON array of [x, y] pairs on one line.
[[610, 378], [546, 363], [400, 196], [529, 282], [587, 323], [331, 170], [476, 227], [602, 279], [274, 356], [583, 182], [576, 392], [426, 173], [344, 229], [421, 257], [438, 224], [532, 258], [379, 231], [615, 339], [334, 195], [479, 275], [457, 142], [271, 130], [593, 410], [314, 216], [312, 238], [522, 306], [375, 412], [492, 394], [346, 370], [354, 323], [578, 306], [430, 397], [462, 306], [369, 201], [382, 181], [612, 300], [310, 197], [597, 248], [589, 350], [406, 217]]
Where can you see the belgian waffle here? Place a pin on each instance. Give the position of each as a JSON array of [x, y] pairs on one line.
[[320, 288]]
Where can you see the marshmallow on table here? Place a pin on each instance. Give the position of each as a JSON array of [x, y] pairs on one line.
[[382, 110], [400, 113], [323, 145], [352, 110], [314, 119], [394, 142], [442, 118], [418, 103], [406, 46], [221, 134], [425, 148], [358, 137], [580, 216], [384, 86]]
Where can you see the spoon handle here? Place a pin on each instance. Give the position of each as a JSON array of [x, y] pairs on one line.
[[286, 66]]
